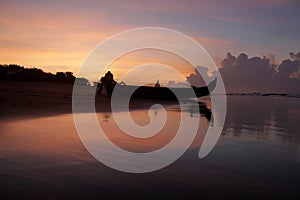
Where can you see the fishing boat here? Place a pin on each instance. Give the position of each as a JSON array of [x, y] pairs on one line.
[[150, 92]]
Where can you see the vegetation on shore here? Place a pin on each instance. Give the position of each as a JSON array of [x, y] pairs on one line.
[[13, 72]]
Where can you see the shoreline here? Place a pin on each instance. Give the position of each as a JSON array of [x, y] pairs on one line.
[[20, 99], [27, 99]]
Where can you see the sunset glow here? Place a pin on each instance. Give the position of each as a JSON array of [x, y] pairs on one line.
[[149, 99], [58, 36]]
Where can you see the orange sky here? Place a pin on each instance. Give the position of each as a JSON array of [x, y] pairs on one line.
[[58, 35], [143, 57], [59, 38]]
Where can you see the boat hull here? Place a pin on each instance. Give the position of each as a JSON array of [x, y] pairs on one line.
[[161, 92]]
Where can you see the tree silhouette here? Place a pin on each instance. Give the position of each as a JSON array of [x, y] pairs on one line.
[[15, 72]]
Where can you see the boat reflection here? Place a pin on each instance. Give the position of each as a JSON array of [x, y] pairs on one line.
[[166, 115], [195, 108]]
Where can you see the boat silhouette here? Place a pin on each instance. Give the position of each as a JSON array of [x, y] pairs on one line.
[[150, 92]]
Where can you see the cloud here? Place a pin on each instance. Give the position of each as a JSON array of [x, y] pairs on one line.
[[295, 56], [199, 77], [259, 74], [290, 68]]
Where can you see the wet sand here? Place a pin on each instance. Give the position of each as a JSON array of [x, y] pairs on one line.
[[34, 98], [42, 157]]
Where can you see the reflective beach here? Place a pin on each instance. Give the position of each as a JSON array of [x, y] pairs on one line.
[[257, 155]]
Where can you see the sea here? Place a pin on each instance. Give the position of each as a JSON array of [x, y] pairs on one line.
[[256, 155]]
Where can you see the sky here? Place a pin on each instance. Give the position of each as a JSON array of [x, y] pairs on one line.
[[58, 35]]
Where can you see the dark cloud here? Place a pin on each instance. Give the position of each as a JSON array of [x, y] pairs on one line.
[[295, 56], [199, 77], [289, 69], [256, 74], [229, 61]]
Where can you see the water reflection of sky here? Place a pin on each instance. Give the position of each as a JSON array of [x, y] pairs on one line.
[[171, 115], [258, 153], [264, 118], [269, 119]]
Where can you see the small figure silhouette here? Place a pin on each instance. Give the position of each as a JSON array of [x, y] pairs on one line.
[[157, 84]]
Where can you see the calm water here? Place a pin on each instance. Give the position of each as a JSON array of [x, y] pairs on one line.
[[256, 157]]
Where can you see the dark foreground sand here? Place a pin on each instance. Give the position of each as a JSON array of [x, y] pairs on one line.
[[42, 157], [34, 98]]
